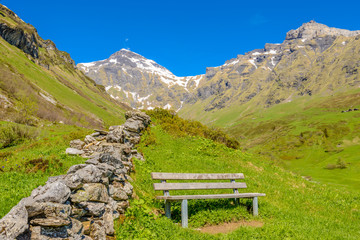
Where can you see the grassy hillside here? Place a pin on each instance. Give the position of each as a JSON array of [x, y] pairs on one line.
[[38, 81], [33, 156], [294, 208], [310, 135]]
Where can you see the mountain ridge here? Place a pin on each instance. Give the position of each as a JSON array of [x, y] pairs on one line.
[[239, 80]]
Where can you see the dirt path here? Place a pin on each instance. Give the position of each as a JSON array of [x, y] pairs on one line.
[[229, 227]]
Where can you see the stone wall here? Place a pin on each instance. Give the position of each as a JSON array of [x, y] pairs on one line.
[[83, 203]]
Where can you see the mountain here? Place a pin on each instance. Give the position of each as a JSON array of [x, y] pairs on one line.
[[39, 82], [313, 59], [140, 82]]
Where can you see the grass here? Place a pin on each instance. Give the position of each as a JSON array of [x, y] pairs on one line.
[[27, 164], [293, 208]]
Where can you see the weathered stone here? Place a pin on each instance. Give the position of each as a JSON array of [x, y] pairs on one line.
[[138, 115], [95, 192], [133, 125], [74, 151], [89, 139], [56, 192], [122, 206], [77, 212], [115, 135], [76, 228], [97, 230], [14, 223], [102, 132], [86, 227], [55, 232], [117, 192], [95, 134], [111, 159], [36, 233], [128, 188], [55, 179], [50, 222], [109, 220], [88, 174], [49, 209], [75, 168], [93, 208], [77, 144]]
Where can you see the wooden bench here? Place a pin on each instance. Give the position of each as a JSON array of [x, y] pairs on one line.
[[166, 187]]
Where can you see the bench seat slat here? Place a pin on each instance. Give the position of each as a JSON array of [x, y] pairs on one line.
[[196, 176], [211, 196], [198, 185]]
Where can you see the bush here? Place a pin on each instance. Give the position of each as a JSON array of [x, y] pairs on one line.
[[339, 164], [11, 135], [177, 126]]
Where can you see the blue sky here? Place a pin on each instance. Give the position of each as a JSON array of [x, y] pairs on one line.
[[183, 36]]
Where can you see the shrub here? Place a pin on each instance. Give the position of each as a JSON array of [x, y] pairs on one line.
[[11, 135], [177, 126]]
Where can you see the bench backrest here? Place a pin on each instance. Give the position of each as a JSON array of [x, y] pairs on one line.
[[164, 186]]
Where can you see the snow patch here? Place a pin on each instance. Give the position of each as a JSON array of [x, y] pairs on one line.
[[272, 61], [113, 61], [167, 106], [252, 61], [108, 88], [182, 102], [343, 43], [303, 40]]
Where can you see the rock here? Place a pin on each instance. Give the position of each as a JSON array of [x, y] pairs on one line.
[[88, 174], [115, 135], [75, 168], [95, 192], [74, 151], [133, 125], [56, 192], [102, 132], [89, 139], [111, 159], [138, 115], [49, 209], [128, 188], [76, 228], [97, 230], [117, 191], [95, 134], [14, 223], [77, 144], [122, 206], [77, 213], [108, 220], [86, 227], [93, 208], [54, 232], [36, 233], [50, 222]]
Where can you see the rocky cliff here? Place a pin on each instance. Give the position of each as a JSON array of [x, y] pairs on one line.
[[25, 37]]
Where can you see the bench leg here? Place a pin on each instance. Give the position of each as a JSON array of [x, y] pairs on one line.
[[168, 209], [255, 206], [184, 213]]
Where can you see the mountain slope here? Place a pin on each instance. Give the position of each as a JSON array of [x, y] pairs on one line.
[[36, 76], [140, 82], [313, 59]]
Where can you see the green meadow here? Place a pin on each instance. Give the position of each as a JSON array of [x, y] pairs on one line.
[[293, 208]]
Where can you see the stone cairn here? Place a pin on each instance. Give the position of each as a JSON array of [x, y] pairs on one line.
[[83, 203]]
